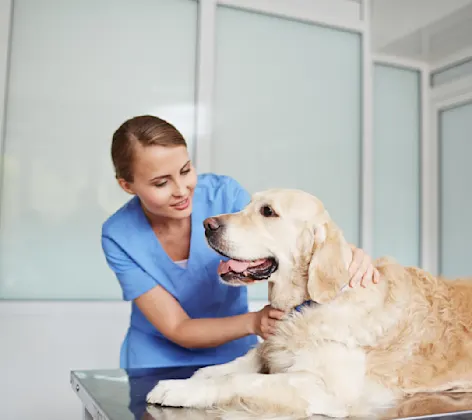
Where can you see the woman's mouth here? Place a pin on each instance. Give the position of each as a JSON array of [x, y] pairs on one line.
[[181, 205]]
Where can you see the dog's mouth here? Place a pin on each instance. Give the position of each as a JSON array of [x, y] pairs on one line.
[[243, 271]]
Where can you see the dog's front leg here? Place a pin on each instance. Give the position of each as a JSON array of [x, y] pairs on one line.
[[249, 363], [299, 394]]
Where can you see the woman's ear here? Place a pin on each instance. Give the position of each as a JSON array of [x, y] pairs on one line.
[[327, 271], [125, 185]]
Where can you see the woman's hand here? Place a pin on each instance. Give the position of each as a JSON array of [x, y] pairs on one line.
[[361, 270], [265, 320]]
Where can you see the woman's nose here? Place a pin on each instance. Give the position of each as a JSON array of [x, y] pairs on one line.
[[179, 190]]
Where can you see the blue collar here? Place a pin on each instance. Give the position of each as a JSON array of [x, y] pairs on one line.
[[305, 304], [309, 303]]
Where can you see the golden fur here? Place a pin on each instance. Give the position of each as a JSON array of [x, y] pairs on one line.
[[359, 350]]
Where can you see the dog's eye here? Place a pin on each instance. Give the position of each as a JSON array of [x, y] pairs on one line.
[[267, 211]]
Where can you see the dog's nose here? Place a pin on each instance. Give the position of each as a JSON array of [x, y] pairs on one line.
[[211, 225]]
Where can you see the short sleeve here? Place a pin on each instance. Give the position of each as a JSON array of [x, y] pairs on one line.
[[134, 281], [241, 197]]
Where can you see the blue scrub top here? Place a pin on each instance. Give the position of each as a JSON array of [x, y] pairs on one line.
[[134, 253]]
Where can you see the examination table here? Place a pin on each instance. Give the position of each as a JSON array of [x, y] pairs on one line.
[[121, 395]]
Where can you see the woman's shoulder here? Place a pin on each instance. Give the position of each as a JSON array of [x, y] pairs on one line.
[[221, 190], [123, 217], [216, 183]]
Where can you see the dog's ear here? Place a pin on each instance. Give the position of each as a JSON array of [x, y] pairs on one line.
[[327, 271]]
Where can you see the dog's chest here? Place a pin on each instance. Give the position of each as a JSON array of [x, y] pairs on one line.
[[302, 339], [294, 342], [276, 355]]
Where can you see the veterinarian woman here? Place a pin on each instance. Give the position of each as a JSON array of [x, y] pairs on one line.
[[155, 244]]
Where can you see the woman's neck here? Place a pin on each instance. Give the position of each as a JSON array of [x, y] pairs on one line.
[[170, 225], [166, 224]]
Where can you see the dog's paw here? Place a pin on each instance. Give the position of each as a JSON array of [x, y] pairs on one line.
[[166, 393], [180, 393]]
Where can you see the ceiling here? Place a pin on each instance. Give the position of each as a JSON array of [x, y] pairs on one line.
[[432, 31]]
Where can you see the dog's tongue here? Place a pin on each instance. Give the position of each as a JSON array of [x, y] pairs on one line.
[[236, 266]]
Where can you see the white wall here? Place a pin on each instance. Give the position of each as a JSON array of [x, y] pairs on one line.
[[42, 342]]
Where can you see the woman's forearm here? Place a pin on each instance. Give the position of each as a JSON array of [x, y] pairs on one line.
[[164, 312], [213, 332]]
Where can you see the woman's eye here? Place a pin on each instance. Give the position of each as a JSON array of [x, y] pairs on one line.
[[162, 184], [185, 172], [267, 211]]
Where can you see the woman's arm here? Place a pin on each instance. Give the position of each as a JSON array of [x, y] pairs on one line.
[[165, 313]]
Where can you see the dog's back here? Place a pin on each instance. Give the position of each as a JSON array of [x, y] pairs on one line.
[[430, 348]]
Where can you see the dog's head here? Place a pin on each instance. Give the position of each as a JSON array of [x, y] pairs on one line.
[[288, 238]]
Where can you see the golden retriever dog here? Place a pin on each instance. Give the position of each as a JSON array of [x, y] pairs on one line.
[[339, 351]]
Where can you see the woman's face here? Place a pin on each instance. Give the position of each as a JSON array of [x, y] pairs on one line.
[[164, 180]]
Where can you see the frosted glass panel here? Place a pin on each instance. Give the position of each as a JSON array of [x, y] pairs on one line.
[[79, 69], [287, 110], [397, 109], [456, 192]]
